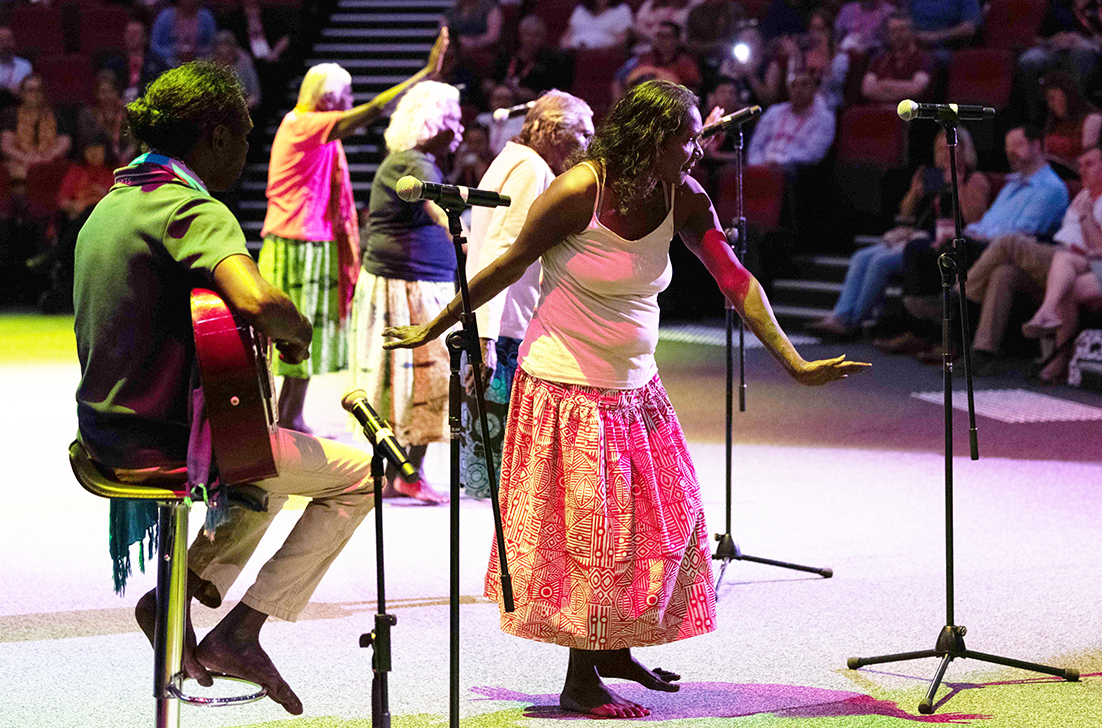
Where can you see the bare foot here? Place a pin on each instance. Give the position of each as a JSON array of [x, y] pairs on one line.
[[599, 701], [1040, 326], [620, 664], [246, 659], [420, 490], [145, 611]]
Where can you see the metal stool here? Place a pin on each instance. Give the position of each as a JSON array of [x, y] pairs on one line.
[[170, 489]]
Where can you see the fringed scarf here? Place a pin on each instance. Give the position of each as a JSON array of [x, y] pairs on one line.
[[346, 229]]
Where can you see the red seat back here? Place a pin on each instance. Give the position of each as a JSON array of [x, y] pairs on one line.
[[1013, 24], [981, 76], [872, 134], [594, 69], [38, 30], [102, 28], [763, 196], [556, 14], [69, 78]]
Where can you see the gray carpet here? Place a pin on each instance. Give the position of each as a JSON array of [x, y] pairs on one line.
[[1028, 560]]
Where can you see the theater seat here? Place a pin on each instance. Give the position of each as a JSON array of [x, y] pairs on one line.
[[1013, 24], [981, 76], [69, 79]]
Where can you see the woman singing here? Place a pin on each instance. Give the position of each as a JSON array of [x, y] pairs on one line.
[[604, 528]]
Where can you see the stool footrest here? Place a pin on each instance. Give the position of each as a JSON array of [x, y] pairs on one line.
[[175, 688]]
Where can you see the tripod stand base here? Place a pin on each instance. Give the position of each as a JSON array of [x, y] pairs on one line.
[[950, 645], [728, 551]]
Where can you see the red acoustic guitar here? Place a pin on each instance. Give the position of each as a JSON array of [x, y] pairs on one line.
[[237, 387]]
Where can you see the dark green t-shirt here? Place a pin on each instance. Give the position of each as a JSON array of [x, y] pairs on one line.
[[145, 246]]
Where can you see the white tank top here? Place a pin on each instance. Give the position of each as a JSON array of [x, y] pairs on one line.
[[596, 323]]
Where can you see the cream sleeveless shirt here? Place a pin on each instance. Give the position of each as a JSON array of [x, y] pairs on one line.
[[596, 323]]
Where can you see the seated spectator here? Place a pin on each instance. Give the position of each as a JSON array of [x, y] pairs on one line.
[[228, 53], [860, 25], [650, 16], [711, 26], [1031, 202], [666, 60], [927, 202], [13, 69], [182, 33], [473, 157], [135, 66], [756, 70], [454, 71], [1071, 41], [598, 24], [815, 51], [501, 130], [258, 31], [726, 95], [476, 23], [105, 119], [796, 133], [941, 25], [31, 134], [1073, 274], [534, 67], [902, 71], [1072, 123]]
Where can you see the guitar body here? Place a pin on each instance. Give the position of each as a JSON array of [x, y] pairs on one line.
[[237, 388]]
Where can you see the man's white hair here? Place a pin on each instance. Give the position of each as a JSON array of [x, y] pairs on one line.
[[321, 83], [419, 115]]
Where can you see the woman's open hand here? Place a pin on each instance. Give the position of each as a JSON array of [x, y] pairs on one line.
[[406, 337], [823, 371]]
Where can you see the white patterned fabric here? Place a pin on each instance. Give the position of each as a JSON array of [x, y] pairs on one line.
[[1088, 347]]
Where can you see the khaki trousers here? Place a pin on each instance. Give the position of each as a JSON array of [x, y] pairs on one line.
[[1010, 264], [336, 477]]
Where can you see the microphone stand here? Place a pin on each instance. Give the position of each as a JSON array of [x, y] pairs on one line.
[[379, 638], [727, 549], [950, 641], [466, 339]]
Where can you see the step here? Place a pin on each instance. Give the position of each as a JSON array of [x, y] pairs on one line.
[[380, 49], [379, 80], [385, 17], [802, 313], [441, 5], [378, 33], [806, 293]]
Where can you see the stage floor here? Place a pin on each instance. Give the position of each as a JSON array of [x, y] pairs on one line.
[[849, 476]]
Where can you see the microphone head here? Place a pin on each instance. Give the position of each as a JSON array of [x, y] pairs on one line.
[[348, 401], [907, 109], [408, 189], [501, 114]]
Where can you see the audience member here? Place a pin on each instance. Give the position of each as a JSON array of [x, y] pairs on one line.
[[31, 134], [815, 51], [1074, 275], [1021, 263], [476, 23], [598, 24], [795, 133], [135, 67], [228, 53], [860, 25], [666, 60], [181, 33], [759, 76], [927, 201], [501, 130], [1071, 41], [257, 30], [711, 26], [455, 71], [534, 67], [903, 70], [1031, 202], [650, 16], [1072, 123], [106, 119], [941, 25], [783, 17], [473, 157], [13, 69]]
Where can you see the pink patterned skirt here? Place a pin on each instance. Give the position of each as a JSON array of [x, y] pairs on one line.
[[604, 529]]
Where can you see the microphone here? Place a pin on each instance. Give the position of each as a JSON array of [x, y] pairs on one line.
[[379, 433], [736, 118], [511, 111], [909, 110], [412, 189]]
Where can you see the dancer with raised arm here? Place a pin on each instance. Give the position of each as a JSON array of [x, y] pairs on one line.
[[603, 519]]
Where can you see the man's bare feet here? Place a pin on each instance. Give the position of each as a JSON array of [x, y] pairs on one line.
[[418, 489], [620, 664], [233, 647], [145, 612], [584, 692]]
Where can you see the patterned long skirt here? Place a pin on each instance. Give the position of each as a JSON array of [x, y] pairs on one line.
[[472, 449], [407, 387], [604, 529], [308, 273]]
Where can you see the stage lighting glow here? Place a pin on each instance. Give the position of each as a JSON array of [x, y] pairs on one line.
[[741, 51]]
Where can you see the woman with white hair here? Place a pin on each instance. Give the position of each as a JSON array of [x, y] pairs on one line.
[[408, 276], [556, 130], [311, 232]]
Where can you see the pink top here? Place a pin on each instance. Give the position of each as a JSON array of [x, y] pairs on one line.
[[596, 323], [300, 176]]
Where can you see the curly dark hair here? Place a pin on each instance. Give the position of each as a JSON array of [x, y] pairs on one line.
[[183, 104], [626, 143]]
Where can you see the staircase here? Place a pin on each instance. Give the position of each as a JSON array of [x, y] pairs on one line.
[[381, 43]]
